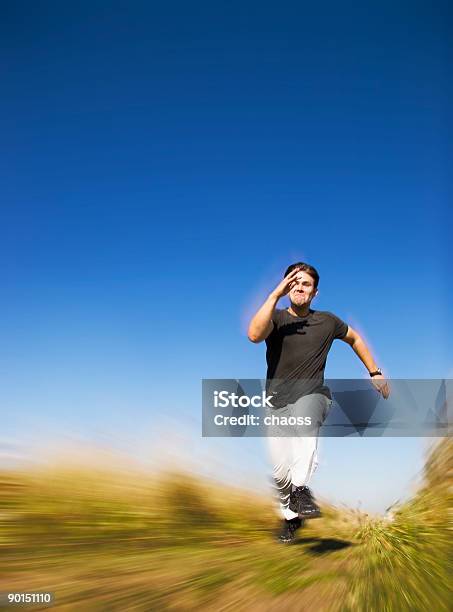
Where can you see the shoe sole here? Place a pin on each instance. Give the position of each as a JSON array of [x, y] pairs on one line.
[[302, 515], [310, 516]]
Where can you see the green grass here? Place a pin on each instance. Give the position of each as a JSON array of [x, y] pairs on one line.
[[106, 540]]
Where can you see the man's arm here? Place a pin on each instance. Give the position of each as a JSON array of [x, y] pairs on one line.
[[261, 325], [359, 347]]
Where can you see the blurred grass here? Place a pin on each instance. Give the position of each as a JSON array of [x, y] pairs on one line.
[[407, 563], [119, 540]]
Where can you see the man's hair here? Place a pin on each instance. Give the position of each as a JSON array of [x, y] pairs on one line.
[[304, 267]]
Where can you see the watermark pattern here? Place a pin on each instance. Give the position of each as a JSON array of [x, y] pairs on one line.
[[335, 408]]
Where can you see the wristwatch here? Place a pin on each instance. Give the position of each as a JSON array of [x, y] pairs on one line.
[[377, 372]]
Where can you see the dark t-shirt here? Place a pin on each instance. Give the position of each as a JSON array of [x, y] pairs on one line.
[[296, 354]]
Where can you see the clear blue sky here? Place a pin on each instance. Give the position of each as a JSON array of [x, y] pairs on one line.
[[163, 163]]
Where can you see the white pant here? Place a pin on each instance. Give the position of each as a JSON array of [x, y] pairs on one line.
[[293, 453]]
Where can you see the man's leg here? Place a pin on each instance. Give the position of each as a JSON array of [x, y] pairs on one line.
[[281, 452], [304, 459], [304, 452], [305, 445]]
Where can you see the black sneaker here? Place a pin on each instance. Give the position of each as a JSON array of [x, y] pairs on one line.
[[289, 528], [301, 501]]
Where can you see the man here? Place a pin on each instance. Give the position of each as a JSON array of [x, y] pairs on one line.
[[298, 340]]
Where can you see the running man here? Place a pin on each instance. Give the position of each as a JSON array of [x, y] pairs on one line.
[[298, 340]]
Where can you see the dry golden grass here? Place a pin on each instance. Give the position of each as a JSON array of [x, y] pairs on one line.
[[106, 539]]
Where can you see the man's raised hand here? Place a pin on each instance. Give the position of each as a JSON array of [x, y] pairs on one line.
[[285, 286]]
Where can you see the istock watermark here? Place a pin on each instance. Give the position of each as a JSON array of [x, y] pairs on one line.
[[222, 399], [335, 408]]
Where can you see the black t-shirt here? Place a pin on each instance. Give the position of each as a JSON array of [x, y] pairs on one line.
[[296, 354]]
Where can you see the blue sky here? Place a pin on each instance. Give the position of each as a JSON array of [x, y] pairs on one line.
[[162, 165]]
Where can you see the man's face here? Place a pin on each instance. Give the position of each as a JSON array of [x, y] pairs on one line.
[[303, 290]]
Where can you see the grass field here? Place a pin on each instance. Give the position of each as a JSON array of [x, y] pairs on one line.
[[111, 540]]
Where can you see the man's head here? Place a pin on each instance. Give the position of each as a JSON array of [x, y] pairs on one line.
[[305, 288]]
